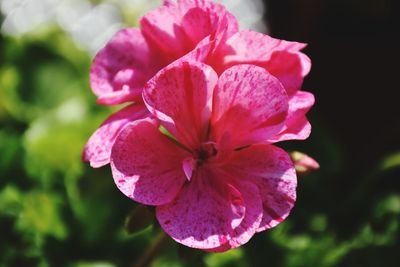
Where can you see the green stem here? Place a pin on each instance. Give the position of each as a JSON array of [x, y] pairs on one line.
[[152, 251]]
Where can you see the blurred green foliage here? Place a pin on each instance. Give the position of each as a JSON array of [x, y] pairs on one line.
[[56, 211]]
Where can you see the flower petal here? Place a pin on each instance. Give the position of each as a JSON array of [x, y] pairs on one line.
[[180, 96], [272, 170], [203, 18], [290, 68], [176, 28], [98, 149], [281, 58], [204, 213], [147, 165], [121, 68], [196, 24], [162, 28], [253, 217], [297, 126], [249, 106]]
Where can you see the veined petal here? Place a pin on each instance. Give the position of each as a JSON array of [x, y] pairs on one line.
[[162, 28], [251, 222], [204, 213], [147, 165], [253, 217], [272, 170], [282, 59], [121, 68], [215, 19], [197, 24], [297, 126], [250, 46], [98, 149], [249, 106], [177, 27], [290, 68], [181, 97]]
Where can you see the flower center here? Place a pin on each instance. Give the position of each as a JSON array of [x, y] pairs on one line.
[[206, 151]]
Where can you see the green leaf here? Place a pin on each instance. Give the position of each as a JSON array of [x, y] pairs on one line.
[[37, 213], [233, 257], [390, 162], [10, 201], [41, 215], [93, 264], [9, 147], [54, 143]]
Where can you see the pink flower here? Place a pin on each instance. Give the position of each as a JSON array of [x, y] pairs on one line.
[[215, 178], [196, 31], [280, 58], [133, 56]]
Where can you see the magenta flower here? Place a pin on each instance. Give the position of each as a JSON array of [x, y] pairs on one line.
[[280, 58], [133, 56], [196, 31], [197, 142], [215, 178]]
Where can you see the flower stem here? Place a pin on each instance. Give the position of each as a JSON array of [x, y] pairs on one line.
[[152, 251]]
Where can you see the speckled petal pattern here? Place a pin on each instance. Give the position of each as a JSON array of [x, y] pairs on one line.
[[147, 165], [97, 150], [272, 170], [282, 59], [249, 106], [297, 126], [204, 213], [122, 67], [180, 96]]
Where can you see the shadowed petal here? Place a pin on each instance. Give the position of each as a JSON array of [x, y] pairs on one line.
[[204, 213], [281, 58], [252, 219], [272, 170], [297, 126], [121, 68], [162, 28], [176, 28], [146, 165], [180, 96], [290, 68], [205, 18], [254, 213], [197, 24], [98, 149], [249, 106]]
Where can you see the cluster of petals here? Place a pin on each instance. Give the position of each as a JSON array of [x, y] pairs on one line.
[[207, 103]]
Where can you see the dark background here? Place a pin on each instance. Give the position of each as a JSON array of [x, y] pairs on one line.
[[354, 47]]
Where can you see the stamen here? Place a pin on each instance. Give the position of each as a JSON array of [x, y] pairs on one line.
[[172, 138]]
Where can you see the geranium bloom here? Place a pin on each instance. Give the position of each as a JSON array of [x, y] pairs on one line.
[[280, 58], [133, 56], [215, 177], [190, 30]]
